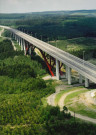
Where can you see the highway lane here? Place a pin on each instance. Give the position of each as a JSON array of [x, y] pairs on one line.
[[78, 60], [36, 41], [47, 46], [49, 49], [88, 70], [89, 65]]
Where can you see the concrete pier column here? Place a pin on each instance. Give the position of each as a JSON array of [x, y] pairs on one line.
[[80, 78], [21, 44], [30, 51], [11, 35], [69, 75], [86, 82], [66, 72], [19, 41], [28, 47], [24, 47], [57, 69], [15, 37]]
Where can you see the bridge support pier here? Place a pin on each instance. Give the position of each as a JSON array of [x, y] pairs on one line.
[[24, 47], [19, 41], [57, 69], [66, 72], [15, 37], [30, 50], [69, 75], [21, 44], [27, 47], [86, 82], [80, 79], [12, 35]]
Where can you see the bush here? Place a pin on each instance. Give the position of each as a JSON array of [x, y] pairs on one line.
[[17, 71]]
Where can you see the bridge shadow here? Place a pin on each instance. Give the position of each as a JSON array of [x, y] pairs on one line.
[[36, 57], [92, 86]]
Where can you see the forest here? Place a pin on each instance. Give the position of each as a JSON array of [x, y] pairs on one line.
[[58, 26], [21, 85], [21, 91], [54, 25]]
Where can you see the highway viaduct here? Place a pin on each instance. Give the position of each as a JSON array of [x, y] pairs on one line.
[[57, 56]]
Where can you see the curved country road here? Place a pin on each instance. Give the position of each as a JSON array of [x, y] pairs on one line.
[[51, 98], [8, 38]]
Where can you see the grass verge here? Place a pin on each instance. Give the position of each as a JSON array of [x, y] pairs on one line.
[[74, 104], [58, 96]]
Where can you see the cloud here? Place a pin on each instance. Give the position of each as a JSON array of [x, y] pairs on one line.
[[45, 5]]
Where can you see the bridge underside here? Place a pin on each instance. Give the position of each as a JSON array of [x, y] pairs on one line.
[[50, 62]]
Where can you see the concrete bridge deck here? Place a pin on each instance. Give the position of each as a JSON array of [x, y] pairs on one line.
[[84, 68]]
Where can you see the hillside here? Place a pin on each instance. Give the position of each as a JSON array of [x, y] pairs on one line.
[[23, 92], [77, 46], [34, 14], [75, 30], [65, 24]]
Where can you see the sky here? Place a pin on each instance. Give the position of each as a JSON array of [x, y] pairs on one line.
[[23, 6]]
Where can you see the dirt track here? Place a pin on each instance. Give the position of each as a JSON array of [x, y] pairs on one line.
[[8, 38], [51, 101], [1, 32]]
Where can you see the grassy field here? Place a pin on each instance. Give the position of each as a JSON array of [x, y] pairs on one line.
[[70, 97], [82, 47], [76, 103], [58, 96], [75, 43], [93, 61]]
